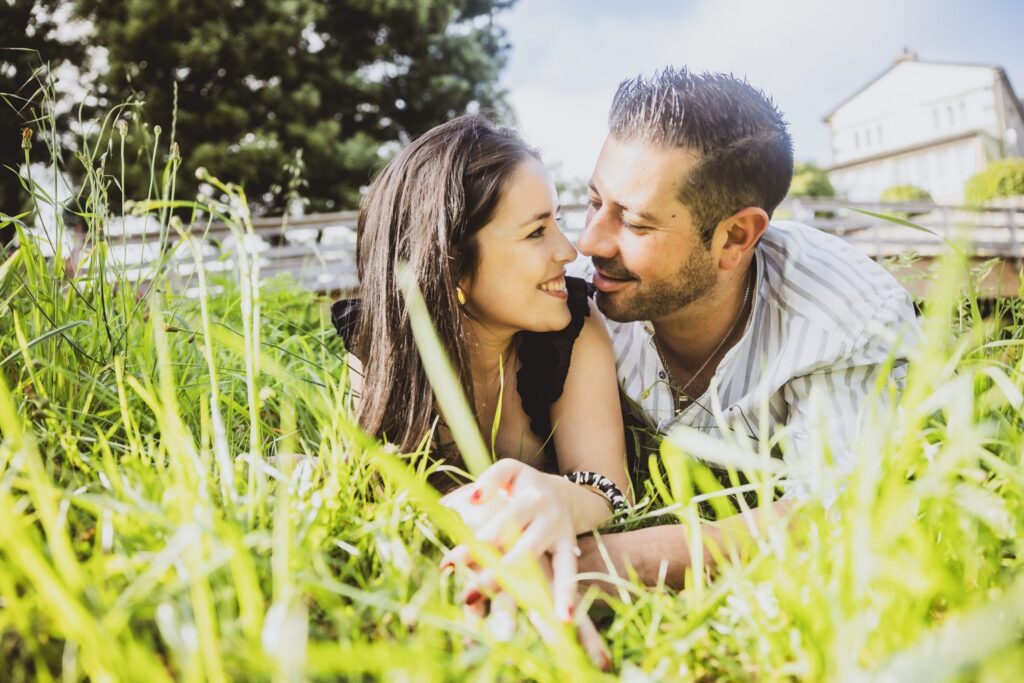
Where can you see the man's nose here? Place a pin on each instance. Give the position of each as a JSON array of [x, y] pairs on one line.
[[596, 238]]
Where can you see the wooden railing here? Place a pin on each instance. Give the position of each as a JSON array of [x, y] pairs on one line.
[[319, 250]]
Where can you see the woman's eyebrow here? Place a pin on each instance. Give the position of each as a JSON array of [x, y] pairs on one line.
[[543, 215]]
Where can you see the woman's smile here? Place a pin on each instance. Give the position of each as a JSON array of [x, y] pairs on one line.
[[555, 287]]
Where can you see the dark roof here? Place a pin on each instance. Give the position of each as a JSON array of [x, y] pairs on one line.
[[1001, 74]]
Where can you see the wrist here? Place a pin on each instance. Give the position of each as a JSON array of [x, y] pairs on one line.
[[587, 507]]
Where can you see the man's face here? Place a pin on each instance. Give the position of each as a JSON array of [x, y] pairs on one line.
[[648, 256]]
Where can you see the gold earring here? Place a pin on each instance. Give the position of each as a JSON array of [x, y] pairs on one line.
[[460, 295]]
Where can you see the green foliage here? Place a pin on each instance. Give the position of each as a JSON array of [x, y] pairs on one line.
[[906, 193], [1003, 178], [243, 87], [810, 180]]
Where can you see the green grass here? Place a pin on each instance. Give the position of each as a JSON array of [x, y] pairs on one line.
[[184, 495]]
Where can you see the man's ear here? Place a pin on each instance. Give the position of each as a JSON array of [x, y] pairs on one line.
[[742, 230]]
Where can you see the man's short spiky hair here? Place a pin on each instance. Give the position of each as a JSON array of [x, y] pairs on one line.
[[746, 153]]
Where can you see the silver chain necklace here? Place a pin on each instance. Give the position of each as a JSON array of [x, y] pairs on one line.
[[684, 398]]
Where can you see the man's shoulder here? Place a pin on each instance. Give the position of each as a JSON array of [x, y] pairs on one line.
[[804, 243], [826, 281]]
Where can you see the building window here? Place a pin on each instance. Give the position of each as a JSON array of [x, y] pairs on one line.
[[935, 117], [856, 140], [949, 114], [879, 135], [867, 137]]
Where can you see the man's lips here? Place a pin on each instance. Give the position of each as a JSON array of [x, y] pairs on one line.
[[608, 284]]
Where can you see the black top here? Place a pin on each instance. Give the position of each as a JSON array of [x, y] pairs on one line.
[[544, 359]]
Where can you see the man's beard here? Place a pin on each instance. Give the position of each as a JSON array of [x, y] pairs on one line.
[[654, 299]]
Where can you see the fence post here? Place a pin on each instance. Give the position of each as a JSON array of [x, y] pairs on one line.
[[1011, 218]]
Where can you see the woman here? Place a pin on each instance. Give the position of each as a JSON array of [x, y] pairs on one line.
[[473, 212]]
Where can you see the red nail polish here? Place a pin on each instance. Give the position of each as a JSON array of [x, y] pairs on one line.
[[571, 611], [476, 497], [473, 597]]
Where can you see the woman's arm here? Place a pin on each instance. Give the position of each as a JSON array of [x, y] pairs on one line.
[[587, 420], [539, 513]]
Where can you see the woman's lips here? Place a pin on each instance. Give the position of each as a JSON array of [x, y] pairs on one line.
[[555, 287], [609, 284]]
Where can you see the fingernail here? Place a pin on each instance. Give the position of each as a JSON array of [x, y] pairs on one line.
[[477, 496], [447, 568], [472, 597], [606, 662]]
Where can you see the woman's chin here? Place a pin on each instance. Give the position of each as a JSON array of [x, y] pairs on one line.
[[550, 323]]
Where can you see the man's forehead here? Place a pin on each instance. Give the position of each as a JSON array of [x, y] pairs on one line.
[[651, 193]]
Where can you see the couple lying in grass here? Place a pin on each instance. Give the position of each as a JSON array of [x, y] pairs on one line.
[[691, 307]]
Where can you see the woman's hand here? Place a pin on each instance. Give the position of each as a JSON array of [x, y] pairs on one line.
[[522, 512]]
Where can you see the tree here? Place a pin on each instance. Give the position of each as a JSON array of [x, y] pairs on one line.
[[1003, 178], [257, 81], [31, 48], [810, 180]]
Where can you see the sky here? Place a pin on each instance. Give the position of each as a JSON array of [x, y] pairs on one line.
[[568, 56]]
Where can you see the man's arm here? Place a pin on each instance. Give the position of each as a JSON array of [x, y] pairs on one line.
[[645, 550], [831, 399]]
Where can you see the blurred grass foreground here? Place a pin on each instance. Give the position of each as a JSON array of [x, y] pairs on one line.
[[184, 495]]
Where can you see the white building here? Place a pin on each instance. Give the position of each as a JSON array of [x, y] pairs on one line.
[[929, 124]]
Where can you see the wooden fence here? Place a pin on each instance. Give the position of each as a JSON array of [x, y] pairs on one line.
[[319, 250]]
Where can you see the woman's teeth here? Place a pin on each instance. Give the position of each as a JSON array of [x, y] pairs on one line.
[[554, 285]]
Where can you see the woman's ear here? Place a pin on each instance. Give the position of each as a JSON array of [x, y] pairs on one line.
[[742, 231]]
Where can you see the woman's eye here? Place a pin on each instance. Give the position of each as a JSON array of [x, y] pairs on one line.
[[594, 203], [539, 232]]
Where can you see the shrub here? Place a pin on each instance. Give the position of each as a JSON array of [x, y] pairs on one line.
[[810, 180], [1003, 178], [906, 193]]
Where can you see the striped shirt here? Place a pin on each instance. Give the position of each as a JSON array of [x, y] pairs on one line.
[[825, 320]]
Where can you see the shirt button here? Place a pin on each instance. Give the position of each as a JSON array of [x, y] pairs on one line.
[[661, 374]]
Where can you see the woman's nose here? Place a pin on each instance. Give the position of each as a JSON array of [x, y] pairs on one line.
[[564, 251]]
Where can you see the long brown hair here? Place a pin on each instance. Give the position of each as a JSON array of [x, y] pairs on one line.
[[424, 208]]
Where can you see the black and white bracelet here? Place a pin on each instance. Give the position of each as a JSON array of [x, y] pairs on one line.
[[603, 485]]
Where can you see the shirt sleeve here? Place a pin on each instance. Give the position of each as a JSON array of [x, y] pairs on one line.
[[828, 406]]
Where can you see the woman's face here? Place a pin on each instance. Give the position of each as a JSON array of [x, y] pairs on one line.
[[519, 281]]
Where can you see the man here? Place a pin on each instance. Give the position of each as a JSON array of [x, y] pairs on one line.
[[709, 303]]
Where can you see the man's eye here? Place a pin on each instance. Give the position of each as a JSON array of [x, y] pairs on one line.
[[634, 227], [538, 233]]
